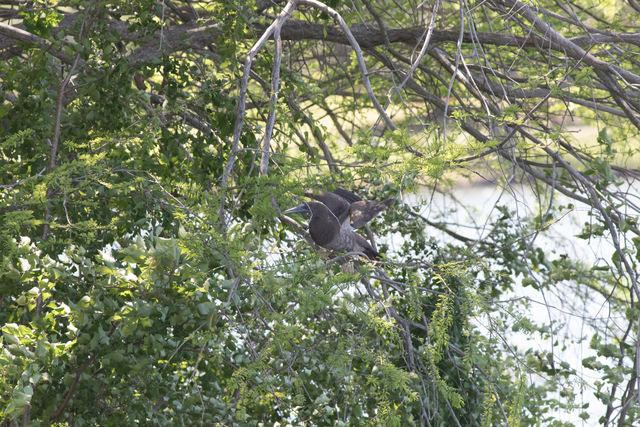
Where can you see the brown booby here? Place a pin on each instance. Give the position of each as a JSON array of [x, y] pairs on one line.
[[335, 215]]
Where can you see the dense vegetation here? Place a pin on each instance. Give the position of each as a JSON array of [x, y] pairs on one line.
[[148, 148]]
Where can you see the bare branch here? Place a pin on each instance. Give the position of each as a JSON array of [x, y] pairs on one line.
[[356, 47], [275, 81], [278, 22]]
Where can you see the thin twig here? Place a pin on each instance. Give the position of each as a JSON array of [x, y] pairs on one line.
[[275, 81], [356, 48], [240, 109]]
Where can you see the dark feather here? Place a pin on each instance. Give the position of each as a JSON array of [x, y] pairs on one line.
[[330, 212]]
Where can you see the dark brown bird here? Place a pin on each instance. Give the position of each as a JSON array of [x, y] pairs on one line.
[[335, 215]]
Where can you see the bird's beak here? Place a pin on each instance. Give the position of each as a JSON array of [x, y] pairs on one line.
[[303, 209]]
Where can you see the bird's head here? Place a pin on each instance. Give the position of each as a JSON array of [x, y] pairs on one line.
[[301, 209]]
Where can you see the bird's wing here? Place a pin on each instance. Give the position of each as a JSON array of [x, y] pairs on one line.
[[364, 211], [347, 195], [336, 204], [366, 247]]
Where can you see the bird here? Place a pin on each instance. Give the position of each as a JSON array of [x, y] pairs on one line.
[[335, 215]]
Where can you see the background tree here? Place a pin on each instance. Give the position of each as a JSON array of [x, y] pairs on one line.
[[148, 147]]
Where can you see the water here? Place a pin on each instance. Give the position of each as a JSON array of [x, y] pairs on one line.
[[468, 210]]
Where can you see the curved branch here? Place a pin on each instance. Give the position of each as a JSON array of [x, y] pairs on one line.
[[553, 38], [17, 34], [275, 80], [277, 23], [356, 48]]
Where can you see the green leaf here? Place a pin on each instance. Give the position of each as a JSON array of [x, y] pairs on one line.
[[206, 308]]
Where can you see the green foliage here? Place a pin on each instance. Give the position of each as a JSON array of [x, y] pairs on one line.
[[136, 289]]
